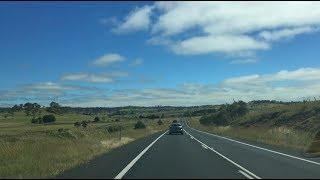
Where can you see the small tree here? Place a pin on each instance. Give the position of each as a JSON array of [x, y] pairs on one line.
[[48, 118], [139, 125], [54, 108], [160, 122]]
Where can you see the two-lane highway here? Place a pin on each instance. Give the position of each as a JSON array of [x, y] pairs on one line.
[[179, 156], [262, 161], [195, 154]]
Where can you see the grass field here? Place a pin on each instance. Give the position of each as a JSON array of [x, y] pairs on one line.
[[278, 136], [43, 151]]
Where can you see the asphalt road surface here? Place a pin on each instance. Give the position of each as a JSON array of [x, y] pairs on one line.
[[196, 154]]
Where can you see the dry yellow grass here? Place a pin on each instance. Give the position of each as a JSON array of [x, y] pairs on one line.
[[41, 151], [277, 136]]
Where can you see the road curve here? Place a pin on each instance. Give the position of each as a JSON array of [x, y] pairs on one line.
[[195, 155]]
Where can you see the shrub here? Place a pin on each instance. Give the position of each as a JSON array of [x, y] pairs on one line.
[[160, 122], [84, 124], [152, 116], [48, 118], [219, 119], [114, 128], [77, 124], [96, 119], [139, 125], [36, 120]]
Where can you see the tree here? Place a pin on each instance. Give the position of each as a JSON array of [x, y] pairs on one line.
[[242, 109], [160, 122], [27, 108], [54, 108], [31, 109], [16, 108]]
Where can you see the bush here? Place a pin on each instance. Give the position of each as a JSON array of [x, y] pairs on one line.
[[139, 125], [112, 129], [48, 118], [36, 120], [77, 124], [96, 119], [160, 122], [84, 124], [219, 119]]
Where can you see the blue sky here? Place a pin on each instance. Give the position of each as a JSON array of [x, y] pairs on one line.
[[175, 53]]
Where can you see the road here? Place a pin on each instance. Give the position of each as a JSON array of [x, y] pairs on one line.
[[196, 155]]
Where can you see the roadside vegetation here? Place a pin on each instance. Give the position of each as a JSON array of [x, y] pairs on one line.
[[291, 125], [41, 142]]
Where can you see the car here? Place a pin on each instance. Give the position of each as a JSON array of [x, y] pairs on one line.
[[175, 128]]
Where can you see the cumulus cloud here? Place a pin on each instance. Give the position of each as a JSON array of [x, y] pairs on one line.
[[138, 19], [227, 27], [108, 59]]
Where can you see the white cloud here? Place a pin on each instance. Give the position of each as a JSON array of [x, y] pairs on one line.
[[244, 61], [223, 43], [303, 74], [285, 85], [94, 78], [236, 17], [138, 19], [285, 33], [209, 27], [108, 59], [274, 86]]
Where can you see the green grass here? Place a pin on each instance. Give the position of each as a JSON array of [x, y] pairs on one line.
[[41, 151]]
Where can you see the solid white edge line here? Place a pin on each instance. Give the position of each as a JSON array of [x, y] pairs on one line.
[[276, 152], [127, 168], [245, 174], [204, 146], [224, 157]]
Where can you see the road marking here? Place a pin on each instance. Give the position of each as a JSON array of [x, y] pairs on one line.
[[127, 168], [204, 146], [276, 152], [224, 157], [245, 174]]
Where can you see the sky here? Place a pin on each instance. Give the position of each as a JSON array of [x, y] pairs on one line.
[[107, 54]]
